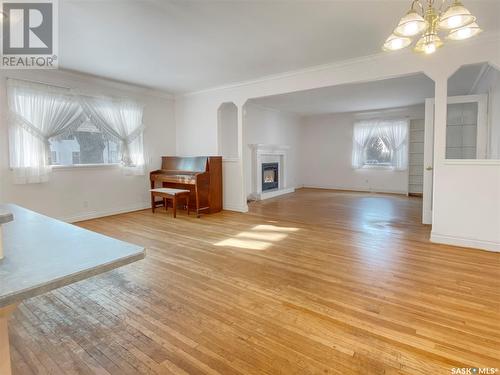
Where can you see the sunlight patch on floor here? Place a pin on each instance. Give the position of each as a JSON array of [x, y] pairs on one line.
[[264, 236], [260, 237], [244, 244], [274, 228]]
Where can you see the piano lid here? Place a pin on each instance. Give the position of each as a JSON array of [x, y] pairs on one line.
[[190, 163]]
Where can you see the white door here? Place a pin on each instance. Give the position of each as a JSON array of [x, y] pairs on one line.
[[461, 151]]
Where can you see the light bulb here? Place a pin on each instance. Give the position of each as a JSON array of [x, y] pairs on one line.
[[411, 24], [465, 32], [430, 48], [456, 16], [394, 43], [411, 28], [454, 22]]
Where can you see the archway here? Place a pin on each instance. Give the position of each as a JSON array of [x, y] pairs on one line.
[[227, 131]]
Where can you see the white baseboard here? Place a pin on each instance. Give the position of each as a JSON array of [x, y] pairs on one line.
[[272, 194], [465, 242], [236, 208], [102, 213], [357, 189]]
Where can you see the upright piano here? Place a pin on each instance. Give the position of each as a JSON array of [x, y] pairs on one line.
[[201, 175]]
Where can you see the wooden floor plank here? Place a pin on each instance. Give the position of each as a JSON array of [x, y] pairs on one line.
[[317, 281]]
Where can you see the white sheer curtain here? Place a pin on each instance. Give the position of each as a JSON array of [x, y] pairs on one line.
[[121, 121], [36, 114], [395, 132], [362, 133]]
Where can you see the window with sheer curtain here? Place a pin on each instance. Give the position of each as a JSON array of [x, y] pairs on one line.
[[380, 143], [51, 126]]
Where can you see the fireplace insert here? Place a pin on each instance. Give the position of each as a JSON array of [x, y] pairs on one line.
[[270, 173]]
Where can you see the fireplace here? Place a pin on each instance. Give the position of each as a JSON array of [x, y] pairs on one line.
[[269, 171], [270, 176]]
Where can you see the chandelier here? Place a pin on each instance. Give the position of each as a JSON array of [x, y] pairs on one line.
[[429, 20]]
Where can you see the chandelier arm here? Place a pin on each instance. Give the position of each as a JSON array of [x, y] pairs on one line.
[[419, 3], [441, 7]]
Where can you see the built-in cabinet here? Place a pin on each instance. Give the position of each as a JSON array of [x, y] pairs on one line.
[[416, 157]]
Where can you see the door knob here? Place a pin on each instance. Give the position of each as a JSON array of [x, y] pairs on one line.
[[429, 168]]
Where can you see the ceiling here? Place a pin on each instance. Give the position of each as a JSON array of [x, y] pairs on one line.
[[389, 93], [184, 45]]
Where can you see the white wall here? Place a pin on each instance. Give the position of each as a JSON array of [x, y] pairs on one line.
[[326, 154], [270, 126], [79, 193], [453, 219]]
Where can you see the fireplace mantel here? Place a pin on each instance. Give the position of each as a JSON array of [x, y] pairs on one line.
[[262, 153], [269, 149]]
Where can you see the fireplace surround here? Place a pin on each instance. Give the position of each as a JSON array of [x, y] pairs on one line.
[[263, 156]]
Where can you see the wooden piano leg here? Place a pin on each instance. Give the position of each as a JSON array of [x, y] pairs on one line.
[[152, 197], [187, 202], [197, 202], [174, 203]]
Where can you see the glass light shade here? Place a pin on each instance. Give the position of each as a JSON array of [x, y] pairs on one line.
[[456, 16], [411, 24], [465, 32], [394, 42], [428, 44]]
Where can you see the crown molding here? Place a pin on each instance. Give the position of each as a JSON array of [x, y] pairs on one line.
[[290, 73], [73, 76], [485, 37], [249, 103], [117, 84]]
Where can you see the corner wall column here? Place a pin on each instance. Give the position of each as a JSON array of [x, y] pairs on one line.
[[243, 195]]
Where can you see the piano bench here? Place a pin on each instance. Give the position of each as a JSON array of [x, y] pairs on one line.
[[169, 194]]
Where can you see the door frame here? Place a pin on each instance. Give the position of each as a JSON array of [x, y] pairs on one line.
[[427, 191]]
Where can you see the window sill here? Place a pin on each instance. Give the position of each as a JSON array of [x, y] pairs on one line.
[[84, 166], [388, 167]]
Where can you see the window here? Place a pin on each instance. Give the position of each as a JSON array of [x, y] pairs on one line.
[[85, 145], [54, 126], [380, 143]]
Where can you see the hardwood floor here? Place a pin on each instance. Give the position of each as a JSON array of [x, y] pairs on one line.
[[312, 282]]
